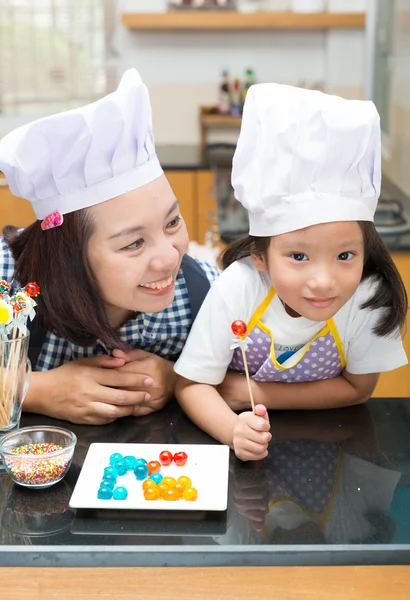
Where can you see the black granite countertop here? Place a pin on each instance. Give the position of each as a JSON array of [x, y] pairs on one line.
[[182, 158], [335, 489]]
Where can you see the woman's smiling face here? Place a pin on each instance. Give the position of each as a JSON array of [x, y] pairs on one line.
[[136, 249]]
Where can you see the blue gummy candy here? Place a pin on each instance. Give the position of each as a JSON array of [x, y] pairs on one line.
[[120, 493], [140, 461], [156, 477], [141, 472], [108, 482], [110, 478], [121, 467], [104, 493], [111, 471], [131, 462], [114, 458]]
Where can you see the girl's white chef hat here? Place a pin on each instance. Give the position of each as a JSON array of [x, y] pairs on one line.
[[304, 158], [84, 156]]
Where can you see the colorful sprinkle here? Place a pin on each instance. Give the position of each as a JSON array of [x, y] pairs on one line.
[[37, 472]]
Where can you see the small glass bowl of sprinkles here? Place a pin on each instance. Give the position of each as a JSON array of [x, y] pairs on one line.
[[37, 457]]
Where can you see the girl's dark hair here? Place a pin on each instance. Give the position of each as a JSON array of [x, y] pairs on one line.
[[70, 303], [389, 294]]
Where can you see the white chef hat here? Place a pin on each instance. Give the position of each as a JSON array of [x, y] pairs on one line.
[[84, 156], [304, 158]]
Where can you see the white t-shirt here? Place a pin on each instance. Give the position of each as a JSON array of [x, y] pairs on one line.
[[238, 292]]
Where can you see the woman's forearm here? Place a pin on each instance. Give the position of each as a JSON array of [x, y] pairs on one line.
[[38, 393]]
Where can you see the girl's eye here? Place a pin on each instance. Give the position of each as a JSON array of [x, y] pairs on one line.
[[299, 256], [175, 222], [135, 245], [345, 256]]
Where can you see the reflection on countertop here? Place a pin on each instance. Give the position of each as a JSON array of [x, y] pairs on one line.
[[335, 489]]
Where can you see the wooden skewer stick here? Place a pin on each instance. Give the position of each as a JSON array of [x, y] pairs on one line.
[[240, 329], [248, 380]]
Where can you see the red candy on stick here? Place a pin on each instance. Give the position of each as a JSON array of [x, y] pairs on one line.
[[240, 329]]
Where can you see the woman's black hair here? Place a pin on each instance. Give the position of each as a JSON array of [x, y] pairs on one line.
[[390, 293], [70, 304]]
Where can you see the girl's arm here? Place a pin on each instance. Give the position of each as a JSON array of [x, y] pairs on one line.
[[247, 434], [345, 390]]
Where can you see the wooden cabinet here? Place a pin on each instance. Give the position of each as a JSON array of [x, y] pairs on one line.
[[196, 195], [206, 206], [183, 184], [13, 211], [396, 384]]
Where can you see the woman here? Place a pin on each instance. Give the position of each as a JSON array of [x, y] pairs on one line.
[[117, 294]]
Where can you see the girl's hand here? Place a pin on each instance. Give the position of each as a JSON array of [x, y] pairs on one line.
[[158, 369], [91, 391], [251, 434], [251, 493]]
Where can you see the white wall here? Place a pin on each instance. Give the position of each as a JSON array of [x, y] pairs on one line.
[[182, 69]]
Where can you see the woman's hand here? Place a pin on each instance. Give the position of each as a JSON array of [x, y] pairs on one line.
[[158, 369], [90, 391], [251, 434]]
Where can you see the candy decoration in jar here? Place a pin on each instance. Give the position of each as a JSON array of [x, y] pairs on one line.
[[32, 289], [240, 329], [15, 308], [4, 287]]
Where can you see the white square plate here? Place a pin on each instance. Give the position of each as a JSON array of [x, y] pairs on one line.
[[207, 466]]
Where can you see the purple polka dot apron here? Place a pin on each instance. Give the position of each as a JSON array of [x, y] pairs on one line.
[[321, 358]]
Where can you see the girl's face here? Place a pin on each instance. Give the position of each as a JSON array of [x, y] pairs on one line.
[[315, 270], [136, 249]]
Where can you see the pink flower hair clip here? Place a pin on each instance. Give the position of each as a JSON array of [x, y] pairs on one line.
[[55, 219]]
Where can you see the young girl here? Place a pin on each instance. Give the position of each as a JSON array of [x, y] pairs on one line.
[[314, 282], [118, 293]]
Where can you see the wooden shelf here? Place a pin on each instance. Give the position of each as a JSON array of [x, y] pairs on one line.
[[209, 117], [232, 20], [220, 121]]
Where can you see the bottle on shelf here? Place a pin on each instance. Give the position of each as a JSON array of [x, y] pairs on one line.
[[236, 109], [224, 103], [249, 80]]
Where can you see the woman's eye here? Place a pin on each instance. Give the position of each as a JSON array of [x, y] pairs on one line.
[[175, 222], [299, 256], [345, 256], [135, 245]]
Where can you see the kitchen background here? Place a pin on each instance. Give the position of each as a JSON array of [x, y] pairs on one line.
[[57, 54]]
